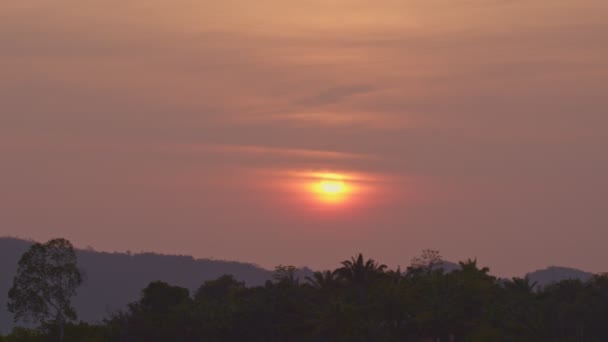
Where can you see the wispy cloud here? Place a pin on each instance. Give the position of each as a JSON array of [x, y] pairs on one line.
[[274, 151], [336, 94], [338, 118]]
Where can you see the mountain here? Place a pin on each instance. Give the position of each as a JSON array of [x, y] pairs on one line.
[[112, 280], [555, 274]]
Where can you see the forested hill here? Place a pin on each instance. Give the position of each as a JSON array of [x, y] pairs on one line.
[[115, 279]]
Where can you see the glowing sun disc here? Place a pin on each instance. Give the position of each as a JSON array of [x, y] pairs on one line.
[[330, 188]]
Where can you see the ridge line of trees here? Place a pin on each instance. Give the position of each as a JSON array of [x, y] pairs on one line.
[[361, 300]]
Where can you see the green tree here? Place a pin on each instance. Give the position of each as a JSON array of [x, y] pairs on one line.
[[47, 279]]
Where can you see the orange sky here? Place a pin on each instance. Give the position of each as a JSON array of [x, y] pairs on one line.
[[474, 127]]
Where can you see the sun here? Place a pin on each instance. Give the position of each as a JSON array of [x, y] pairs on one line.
[[331, 188]]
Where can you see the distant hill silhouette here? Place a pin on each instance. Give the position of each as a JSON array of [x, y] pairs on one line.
[[116, 279], [554, 274], [448, 266]]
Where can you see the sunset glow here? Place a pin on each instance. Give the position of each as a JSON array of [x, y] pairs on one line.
[[331, 188]]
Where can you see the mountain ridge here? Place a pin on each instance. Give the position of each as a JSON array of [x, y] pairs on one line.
[[113, 279]]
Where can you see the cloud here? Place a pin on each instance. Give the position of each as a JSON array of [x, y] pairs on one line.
[[336, 94], [274, 151], [338, 118]]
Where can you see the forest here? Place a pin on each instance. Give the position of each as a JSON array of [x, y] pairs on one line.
[[360, 300]]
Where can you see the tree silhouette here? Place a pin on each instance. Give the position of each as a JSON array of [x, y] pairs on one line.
[[47, 279], [286, 275], [325, 281], [160, 315], [427, 261], [362, 300], [359, 271]]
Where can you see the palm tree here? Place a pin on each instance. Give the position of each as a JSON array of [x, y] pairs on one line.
[[357, 271], [323, 281], [520, 286], [470, 267], [522, 311]]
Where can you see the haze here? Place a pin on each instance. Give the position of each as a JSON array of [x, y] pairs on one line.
[[477, 128]]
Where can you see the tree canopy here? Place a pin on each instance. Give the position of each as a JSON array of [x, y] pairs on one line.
[[47, 279], [361, 300]]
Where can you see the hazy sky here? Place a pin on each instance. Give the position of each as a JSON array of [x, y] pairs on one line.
[[475, 127]]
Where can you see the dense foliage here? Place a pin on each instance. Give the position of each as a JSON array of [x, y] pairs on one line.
[[360, 301]]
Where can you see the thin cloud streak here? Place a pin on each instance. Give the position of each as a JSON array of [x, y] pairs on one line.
[[274, 151], [338, 118]]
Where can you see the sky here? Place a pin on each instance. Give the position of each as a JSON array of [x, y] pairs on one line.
[[304, 132]]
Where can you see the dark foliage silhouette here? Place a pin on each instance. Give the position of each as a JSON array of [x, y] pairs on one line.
[[362, 300]]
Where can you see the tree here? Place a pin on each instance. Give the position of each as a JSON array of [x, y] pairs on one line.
[[359, 271], [47, 279], [217, 307], [325, 281], [161, 314], [428, 261], [218, 290], [286, 275]]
